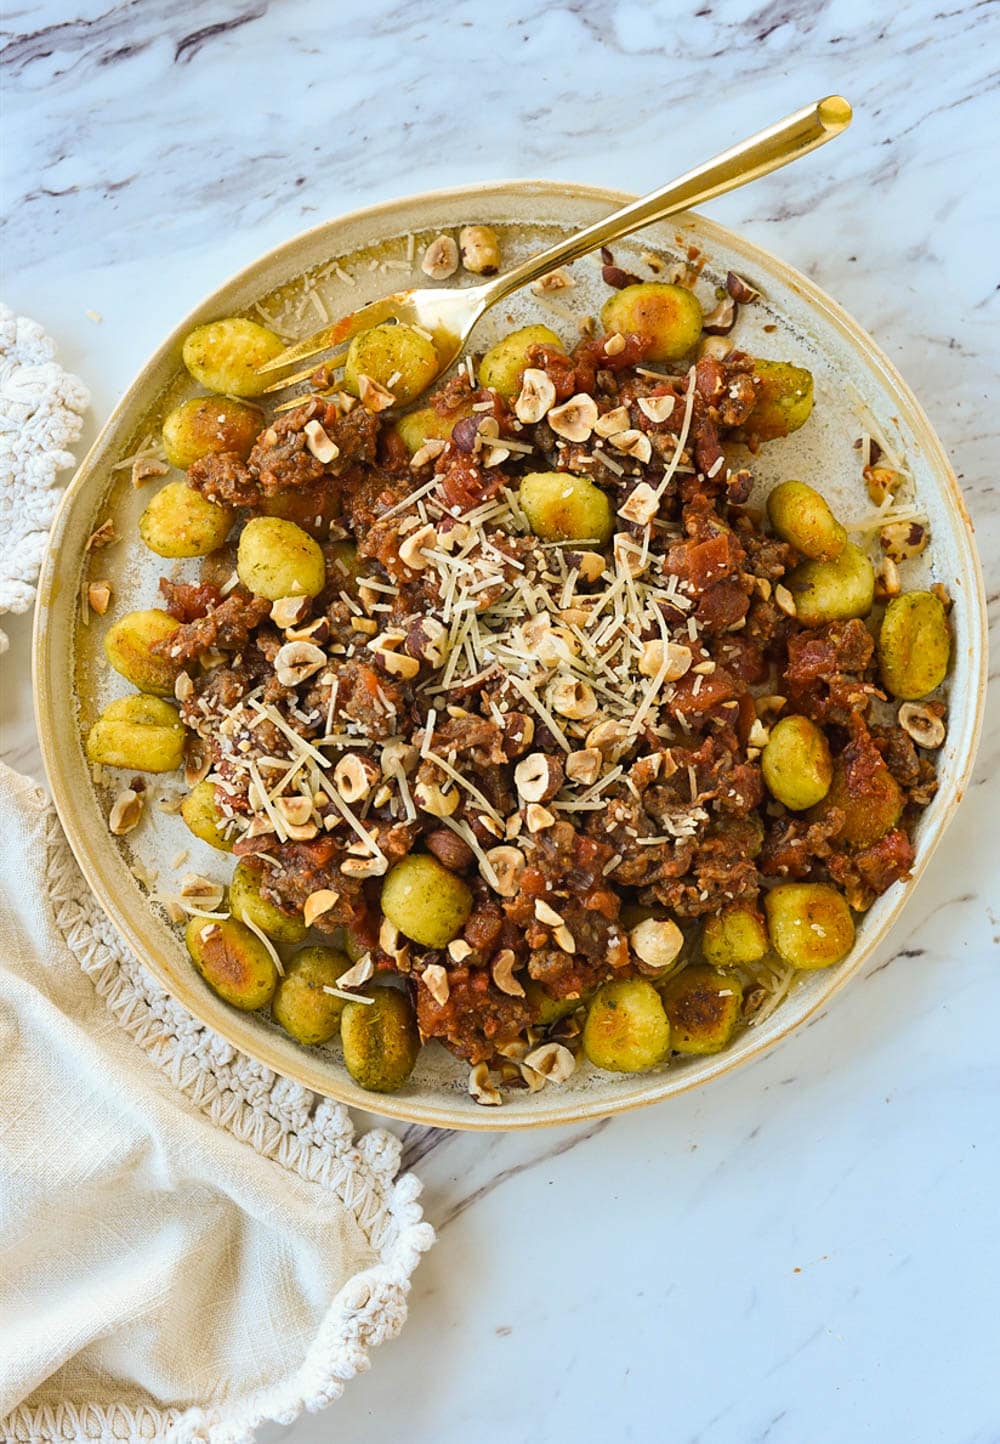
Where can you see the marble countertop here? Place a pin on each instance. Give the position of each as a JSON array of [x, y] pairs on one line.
[[807, 1250]]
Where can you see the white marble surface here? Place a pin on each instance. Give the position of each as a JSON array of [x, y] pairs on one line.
[[806, 1251]]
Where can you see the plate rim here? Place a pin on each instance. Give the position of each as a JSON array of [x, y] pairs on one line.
[[237, 1028]]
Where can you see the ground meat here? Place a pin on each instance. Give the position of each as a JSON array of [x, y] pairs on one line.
[[866, 874], [314, 508], [371, 699], [708, 556], [565, 864], [465, 485], [454, 396], [215, 694], [476, 1020], [367, 494], [898, 753], [223, 477], [794, 846], [766, 556], [567, 975], [558, 367], [722, 605], [227, 627], [308, 867], [187, 601], [825, 674], [593, 367], [281, 460]]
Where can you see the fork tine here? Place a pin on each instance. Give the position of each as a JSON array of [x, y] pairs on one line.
[[303, 397], [331, 361], [340, 331]]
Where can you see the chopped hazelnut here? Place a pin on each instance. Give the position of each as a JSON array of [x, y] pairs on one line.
[[503, 973], [296, 661], [440, 259], [922, 724], [574, 420], [318, 903], [126, 813], [538, 777], [99, 596], [536, 397]]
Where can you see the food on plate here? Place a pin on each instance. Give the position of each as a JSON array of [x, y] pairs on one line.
[[179, 522], [200, 812], [833, 591], [703, 1008], [627, 1029], [533, 730], [669, 316], [796, 764], [426, 901], [233, 960], [801, 516], [401, 359], [278, 559], [224, 355], [914, 645], [305, 1003], [810, 924], [783, 402], [248, 905], [563, 507], [128, 647], [504, 364], [210, 423], [735, 937], [139, 733], [380, 1039]]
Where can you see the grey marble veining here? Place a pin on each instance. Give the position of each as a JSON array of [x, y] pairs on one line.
[[806, 1250]]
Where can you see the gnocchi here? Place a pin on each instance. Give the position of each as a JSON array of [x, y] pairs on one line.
[[233, 961], [223, 356], [205, 424], [670, 316], [914, 645], [180, 522], [504, 364], [127, 647], [138, 733], [810, 924], [833, 591], [399, 358], [202, 816], [627, 1029], [276, 558], [563, 507], [427, 903], [380, 1040], [703, 1007], [801, 516], [248, 905], [301, 1003], [784, 399], [796, 763]]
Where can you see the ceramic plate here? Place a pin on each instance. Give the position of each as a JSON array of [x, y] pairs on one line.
[[357, 258]]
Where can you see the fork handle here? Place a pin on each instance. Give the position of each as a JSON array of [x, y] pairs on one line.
[[768, 150]]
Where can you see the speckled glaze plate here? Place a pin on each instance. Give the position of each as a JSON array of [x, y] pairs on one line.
[[367, 254]]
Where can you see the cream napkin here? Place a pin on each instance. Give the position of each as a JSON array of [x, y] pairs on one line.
[[188, 1246]]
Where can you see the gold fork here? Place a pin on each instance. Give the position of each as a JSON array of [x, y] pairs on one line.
[[450, 314]]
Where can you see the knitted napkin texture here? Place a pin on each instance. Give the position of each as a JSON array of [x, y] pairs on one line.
[[41, 415]]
